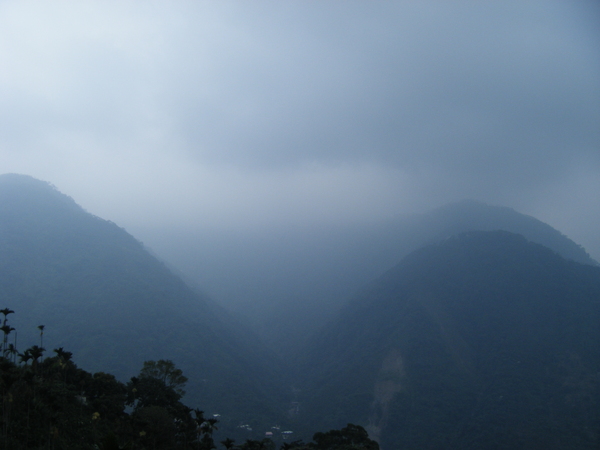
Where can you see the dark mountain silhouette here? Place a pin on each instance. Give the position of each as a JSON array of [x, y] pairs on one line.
[[101, 295], [484, 340], [470, 215], [289, 282]]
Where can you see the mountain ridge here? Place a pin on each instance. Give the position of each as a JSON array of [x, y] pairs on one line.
[[438, 344], [483, 340], [101, 295], [275, 277]]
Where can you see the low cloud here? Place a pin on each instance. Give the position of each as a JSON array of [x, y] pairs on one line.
[[233, 115]]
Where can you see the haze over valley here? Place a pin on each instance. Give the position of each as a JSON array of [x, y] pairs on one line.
[[332, 213], [468, 316]]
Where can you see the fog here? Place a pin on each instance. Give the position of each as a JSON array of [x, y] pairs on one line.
[[225, 134]]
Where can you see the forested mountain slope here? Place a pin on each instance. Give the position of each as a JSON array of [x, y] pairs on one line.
[[290, 281], [101, 295], [470, 215], [484, 340]]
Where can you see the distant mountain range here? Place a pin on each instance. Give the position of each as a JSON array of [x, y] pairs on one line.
[[483, 340], [289, 282], [470, 215], [101, 295], [460, 333]]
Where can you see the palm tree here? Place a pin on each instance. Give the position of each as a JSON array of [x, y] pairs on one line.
[[25, 356], [36, 353], [62, 354], [11, 350], [63, 358], [228, 443], [6, 329], [15, 344], [6, 312], [41, 328]]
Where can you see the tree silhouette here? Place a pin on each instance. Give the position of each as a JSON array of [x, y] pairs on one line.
[[62, 354], [11, 350], [228, 443], [165, 371], [6, 312], [25, 356], [6, 329], [350, 437], [297, 445], [88, 411], [36, 353], [41, 328]]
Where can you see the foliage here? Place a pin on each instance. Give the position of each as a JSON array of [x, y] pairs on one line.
[[485, 340], [57, 405], [102, 295], [165, 371], [350, 437]]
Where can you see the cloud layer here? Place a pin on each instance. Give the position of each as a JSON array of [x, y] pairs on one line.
[[238, 114]]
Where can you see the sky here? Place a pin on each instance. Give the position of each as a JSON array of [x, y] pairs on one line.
[[237, 115]]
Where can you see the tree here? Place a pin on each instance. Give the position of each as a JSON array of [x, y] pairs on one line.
[[143, 392], [228, 443], [349, 437], [11, 350], [6, 312], [63, 355], [165, 370], [6, 329], [296, 445], [36, 353], [106, 395], [158, 415], [25, 356], [252, 444], [157, 427], [41, 328]]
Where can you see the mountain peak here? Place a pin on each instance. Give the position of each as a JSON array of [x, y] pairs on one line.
[[481, 338], [19, 193], [104, 297], [468, 215]]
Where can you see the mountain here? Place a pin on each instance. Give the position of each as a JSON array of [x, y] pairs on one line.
[[483, 340], [470, 215], [290, 281], [100, 294]]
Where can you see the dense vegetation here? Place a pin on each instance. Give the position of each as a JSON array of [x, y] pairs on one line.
[[50, 403], [481, 340], [289, 283], [485, 340], [101, 294]]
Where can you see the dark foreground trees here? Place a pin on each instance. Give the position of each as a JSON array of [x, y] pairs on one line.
[[50, 403], [351, 437], [57, 405]]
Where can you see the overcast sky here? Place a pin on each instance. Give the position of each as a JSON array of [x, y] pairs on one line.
[[236, 115]]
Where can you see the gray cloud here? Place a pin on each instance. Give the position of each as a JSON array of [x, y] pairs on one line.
[[444, 87], [238, 114]]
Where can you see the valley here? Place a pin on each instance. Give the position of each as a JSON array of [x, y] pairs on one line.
[[472, 325]]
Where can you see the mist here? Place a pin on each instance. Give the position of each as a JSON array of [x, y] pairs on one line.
[[230, 137]]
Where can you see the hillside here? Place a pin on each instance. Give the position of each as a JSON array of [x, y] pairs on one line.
[[470, 215], [101, 295], [290, 281], [481, 340], [484, 340]]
